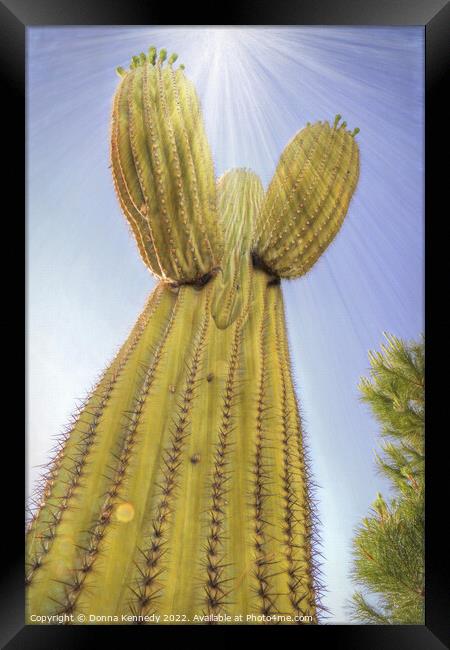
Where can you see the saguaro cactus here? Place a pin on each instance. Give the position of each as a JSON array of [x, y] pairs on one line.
[[182, 489]]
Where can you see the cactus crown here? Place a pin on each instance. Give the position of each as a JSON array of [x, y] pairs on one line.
[[164, 177], [150, 58]]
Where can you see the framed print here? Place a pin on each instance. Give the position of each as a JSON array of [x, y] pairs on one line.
[[225, 323]]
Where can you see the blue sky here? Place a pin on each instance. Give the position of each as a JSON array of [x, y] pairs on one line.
[[87, 284]]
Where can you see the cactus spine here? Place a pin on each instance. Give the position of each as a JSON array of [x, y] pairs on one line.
[[181, 487]]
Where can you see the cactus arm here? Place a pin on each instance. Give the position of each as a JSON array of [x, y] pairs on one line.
[[293, 165], [198, 168], [151, 158], [189, 111], [134, 218], [150, 154], [172, 172], [327, 196], [182, 193], [164, 173], [147, 139], [135, 213], [312, 172], [308, 198], [335, 203]]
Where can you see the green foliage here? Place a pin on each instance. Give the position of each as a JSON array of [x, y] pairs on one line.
[[389, 544]]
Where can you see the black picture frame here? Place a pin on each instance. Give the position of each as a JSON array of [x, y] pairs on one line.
[[434, 16]]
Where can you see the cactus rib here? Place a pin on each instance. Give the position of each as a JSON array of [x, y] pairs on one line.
[[171, 465], [216, 589]]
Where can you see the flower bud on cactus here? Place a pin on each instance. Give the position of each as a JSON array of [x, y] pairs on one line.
[[152, 55]]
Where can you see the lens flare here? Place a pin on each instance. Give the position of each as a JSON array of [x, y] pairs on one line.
[[125, 512]]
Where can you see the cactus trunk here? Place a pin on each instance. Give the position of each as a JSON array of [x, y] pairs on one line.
[[204, 512], [181, 489]]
